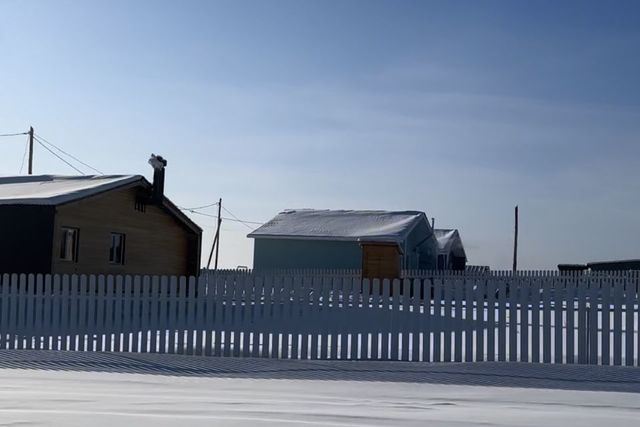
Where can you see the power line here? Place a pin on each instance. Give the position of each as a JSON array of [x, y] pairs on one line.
[[245, 223], [198, 213], [55, 154], [200, 207], [42, 139], [14, 134], [24, 156], [216, 216]]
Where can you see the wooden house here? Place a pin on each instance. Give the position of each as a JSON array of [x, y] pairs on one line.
[[106, 224], [380, 243]]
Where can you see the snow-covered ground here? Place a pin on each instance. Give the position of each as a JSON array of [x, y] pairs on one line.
[[103, 389]]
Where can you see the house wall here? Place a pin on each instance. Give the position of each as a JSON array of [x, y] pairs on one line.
[[458, 263], [421, 254], [155, 242], [270, 254], [334, 254], [26, 238]]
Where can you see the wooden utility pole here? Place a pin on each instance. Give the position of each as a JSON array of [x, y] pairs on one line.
[[216, 239], [215, 265], [30, 150], [515, 242]]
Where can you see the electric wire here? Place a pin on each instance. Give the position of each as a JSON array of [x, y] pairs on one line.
[[216, 216], [24, 156], [14, 134], [245, 223], [200, 207], [55, 154], [42, 139]]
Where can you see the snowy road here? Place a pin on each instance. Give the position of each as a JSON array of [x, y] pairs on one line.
[[79, 389]]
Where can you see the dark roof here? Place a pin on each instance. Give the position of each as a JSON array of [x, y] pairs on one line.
[[628, 264], [572, 267]]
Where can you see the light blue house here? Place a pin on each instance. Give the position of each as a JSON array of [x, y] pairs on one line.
[[334, 239]]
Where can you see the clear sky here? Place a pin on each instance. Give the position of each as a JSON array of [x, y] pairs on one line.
[[461, 109]]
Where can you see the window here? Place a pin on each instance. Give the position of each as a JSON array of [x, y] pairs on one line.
[[69, 244], [116, 252]]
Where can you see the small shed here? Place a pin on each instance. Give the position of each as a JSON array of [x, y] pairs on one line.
[[380, 242], [451, 253]]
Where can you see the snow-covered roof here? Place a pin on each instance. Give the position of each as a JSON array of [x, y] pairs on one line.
[[349, 225], [55, 189], [449, 241]]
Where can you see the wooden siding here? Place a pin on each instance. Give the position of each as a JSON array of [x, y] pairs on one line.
[[156, 243], [380, 261]]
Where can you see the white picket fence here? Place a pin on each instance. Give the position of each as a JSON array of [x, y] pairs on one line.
[[524, 317]]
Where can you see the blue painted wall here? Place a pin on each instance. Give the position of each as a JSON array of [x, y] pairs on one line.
[[305, 254], [273, 254], [421, 249]]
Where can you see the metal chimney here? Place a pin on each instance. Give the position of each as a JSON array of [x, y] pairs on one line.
[[158, 164]]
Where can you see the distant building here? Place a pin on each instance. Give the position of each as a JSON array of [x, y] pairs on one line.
[[615, 265], [381, 243], [107, 224], [572, 268], [451, 254], [477, 269]]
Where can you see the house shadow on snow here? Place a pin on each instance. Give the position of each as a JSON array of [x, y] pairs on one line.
[[496, 374]]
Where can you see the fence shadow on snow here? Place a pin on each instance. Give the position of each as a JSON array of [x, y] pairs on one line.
[[559, 377]]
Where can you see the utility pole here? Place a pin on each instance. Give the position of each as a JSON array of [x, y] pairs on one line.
[[216, 239], [30, 150], [215, 266], [515, 242]]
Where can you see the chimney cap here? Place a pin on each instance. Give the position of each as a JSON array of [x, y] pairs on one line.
[[157, 162]]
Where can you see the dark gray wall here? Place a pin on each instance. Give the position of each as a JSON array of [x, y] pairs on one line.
[[26, 238], [305, 254], [421, 249]]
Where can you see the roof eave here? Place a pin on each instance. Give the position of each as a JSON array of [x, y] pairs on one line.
[[175, 211], [129, 182], [358, 239]]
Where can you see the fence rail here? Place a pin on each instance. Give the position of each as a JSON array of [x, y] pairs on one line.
[[590, 319]]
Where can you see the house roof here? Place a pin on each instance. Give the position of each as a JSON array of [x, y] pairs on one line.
[[449, 241], [347, 225], [53, 190]]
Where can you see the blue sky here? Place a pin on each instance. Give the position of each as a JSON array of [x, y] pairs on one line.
[[458, 108]]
